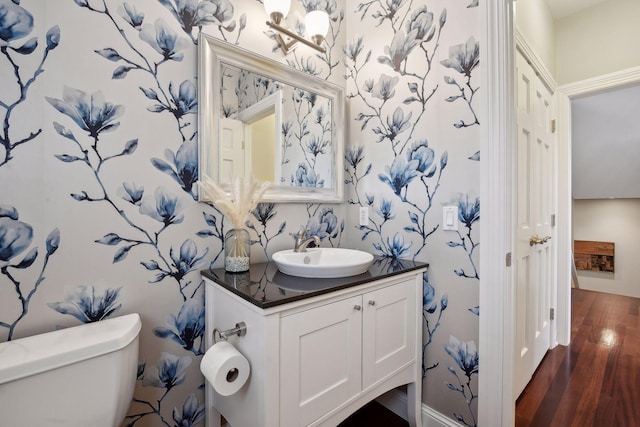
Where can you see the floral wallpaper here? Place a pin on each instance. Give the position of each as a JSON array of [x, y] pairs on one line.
[[413, 73], [98, 216]]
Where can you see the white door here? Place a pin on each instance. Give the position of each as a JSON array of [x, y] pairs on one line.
[[535, 205], [232, 150]]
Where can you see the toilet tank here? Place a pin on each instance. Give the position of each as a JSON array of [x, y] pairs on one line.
[[81, 376]]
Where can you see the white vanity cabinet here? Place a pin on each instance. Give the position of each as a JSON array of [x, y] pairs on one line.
[[331, 354], [325, 356]]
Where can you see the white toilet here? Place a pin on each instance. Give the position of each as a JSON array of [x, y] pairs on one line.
[[81, 376]]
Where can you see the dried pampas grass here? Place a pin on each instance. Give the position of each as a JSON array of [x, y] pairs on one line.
[[243, 197]]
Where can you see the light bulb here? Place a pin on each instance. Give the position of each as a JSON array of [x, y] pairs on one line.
[[317, 25], [277, 9]]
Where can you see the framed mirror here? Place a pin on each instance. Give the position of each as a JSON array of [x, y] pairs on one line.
[[258, 116]]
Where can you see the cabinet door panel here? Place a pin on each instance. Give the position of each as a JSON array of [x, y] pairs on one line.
[[389, 327], [320, 360]]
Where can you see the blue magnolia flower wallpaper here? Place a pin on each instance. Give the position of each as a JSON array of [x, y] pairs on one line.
[[413, 84], [98, 216]]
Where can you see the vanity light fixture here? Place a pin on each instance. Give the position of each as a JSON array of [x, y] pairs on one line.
[[316, 24]]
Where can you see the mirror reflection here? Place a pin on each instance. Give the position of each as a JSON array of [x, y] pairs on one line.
[[269, 120], [283, 132], [249, 138]]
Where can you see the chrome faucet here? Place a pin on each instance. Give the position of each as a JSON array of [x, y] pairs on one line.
[[301, 242]]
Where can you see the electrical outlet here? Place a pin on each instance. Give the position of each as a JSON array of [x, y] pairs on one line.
[[364, 216]]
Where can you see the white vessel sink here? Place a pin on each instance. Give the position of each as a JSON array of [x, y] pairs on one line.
[[323, 262]]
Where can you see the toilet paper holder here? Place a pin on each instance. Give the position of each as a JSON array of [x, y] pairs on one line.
[[240, 330]]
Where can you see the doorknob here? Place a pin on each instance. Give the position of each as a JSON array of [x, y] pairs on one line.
[[534, 239]]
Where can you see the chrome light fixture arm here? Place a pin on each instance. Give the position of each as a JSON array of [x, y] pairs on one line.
[[286, 47], [316, 24]]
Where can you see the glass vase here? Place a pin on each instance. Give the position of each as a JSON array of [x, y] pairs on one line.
[[237, 247]]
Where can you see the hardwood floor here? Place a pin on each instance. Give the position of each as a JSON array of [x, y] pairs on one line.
[[595, 381]]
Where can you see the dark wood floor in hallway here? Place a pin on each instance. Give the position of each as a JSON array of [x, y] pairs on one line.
[[595, 381]]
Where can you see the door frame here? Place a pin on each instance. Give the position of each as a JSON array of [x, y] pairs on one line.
[[566, 93], [271, 104], [497, 228], [496, 333]]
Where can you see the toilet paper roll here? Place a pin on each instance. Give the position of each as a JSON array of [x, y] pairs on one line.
[[225, 368]]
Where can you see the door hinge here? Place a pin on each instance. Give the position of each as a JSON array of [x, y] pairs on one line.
[[553, 126], [553, 220], [507, 259], [552, 314]]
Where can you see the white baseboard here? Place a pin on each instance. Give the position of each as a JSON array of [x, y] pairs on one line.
[[396, 401]]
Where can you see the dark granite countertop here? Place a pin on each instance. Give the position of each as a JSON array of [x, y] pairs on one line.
[[265, 286]]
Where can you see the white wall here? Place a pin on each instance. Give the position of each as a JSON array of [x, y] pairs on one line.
[[263, 146], [615, 221], [534, 21], [597, 41]]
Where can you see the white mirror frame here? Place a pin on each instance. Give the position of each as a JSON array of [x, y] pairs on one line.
[[212, 54]]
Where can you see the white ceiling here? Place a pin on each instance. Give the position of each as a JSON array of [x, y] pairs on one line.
[[606, 144], [562, 8]]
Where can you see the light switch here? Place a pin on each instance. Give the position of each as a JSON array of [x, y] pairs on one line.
[[363, 218], [450, 218]]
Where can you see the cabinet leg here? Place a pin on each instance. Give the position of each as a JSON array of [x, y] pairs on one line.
[[414, 404], [216, 418]]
